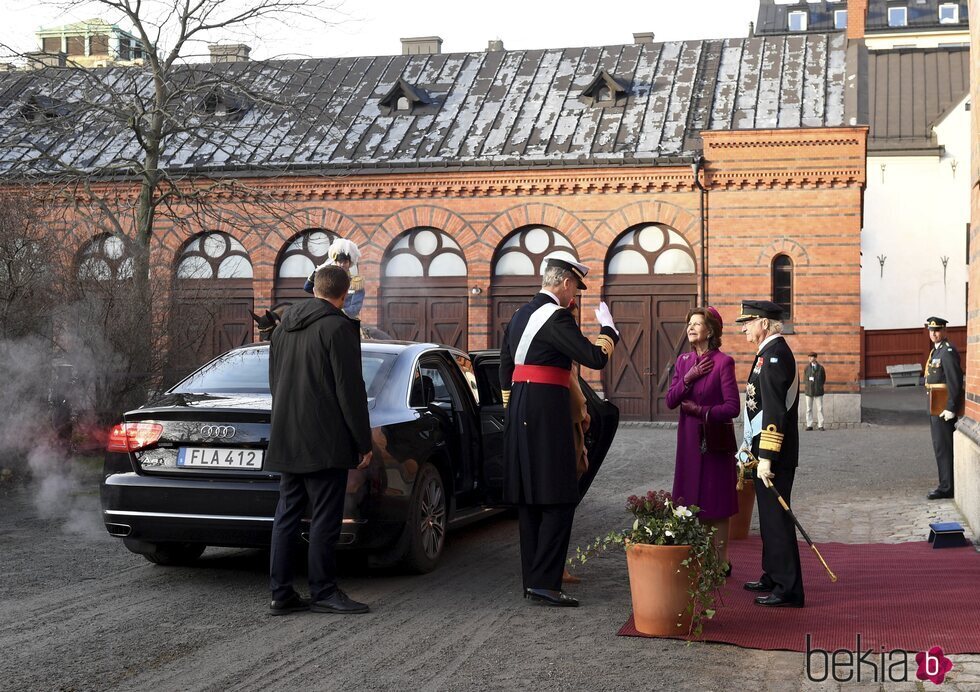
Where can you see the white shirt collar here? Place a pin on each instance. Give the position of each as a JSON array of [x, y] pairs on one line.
[[771, 337], [551, 295]]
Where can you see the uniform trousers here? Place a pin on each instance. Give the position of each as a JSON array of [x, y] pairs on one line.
[[780, 551], [324, 491], [942, 445], [545, 532]]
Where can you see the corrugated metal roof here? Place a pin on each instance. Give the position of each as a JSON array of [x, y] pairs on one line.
[[501, 109], [909, 90], [773, 17]]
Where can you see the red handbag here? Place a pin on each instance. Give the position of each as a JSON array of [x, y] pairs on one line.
[[718, 438]]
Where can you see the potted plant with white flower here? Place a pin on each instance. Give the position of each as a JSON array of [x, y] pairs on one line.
[[674, 569]]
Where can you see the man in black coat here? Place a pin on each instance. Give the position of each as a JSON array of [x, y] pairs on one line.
[[771, 416], [944, 378], [320, 429], [539, 346]]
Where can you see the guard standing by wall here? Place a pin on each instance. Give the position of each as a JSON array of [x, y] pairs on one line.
[[944, 385], [539, 346], [814, 379], [771, 415]]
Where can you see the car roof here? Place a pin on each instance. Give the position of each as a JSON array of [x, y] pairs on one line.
[[377, 346]]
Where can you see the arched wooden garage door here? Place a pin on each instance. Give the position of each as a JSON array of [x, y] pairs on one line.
[[297, 261], [516, 274], [212, 296], [423, 293], [650, 286]]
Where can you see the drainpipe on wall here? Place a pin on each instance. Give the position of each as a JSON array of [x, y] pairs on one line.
[[696, 169]]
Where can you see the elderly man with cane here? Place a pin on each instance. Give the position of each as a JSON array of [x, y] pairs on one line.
[[771, 435]]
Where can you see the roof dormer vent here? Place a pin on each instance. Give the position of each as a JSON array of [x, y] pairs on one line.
[[404, 98], [605, 90]]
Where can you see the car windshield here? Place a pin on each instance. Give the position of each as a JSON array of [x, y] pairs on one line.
[[247, 372]]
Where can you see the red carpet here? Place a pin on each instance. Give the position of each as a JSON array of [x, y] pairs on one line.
[[904, 596]]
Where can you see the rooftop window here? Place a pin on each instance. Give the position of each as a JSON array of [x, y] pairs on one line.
[[898, 16], [840, 19], [949, 13], [797, 21]]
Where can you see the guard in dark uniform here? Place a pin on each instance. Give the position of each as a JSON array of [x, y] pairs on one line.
[[944, 376], [771, 416], [539, 346]]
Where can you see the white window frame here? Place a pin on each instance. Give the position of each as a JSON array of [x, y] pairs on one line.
[[905, 16], [796, 15], [955, 19], [837, 15]]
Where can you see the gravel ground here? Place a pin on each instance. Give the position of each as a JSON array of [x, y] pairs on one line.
[[78, 612]]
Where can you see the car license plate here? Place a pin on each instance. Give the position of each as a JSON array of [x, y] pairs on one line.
[[213, 457]]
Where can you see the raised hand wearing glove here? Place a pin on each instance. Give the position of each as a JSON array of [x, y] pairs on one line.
[[692, 409], [604, 317], [701, 369], [764, 471], [947, 415]]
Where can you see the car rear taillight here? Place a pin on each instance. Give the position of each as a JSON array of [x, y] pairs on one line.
[[132, 437]]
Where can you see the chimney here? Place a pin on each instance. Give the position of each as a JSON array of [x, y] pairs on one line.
[[421, 45], [495, 45], [229, 52], [645, 37], [39, 59], [857, 15], [751, 29]]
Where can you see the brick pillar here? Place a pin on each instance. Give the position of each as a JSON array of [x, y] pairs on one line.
[[857, 15]]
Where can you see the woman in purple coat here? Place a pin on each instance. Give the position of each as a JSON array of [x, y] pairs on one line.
[[704, 387]]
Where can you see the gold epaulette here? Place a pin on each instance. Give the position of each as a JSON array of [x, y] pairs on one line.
[[505, 395], [605, 343], [771, 440], [356, 283]]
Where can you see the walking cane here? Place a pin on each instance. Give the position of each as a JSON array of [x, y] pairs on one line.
[[751, 463]]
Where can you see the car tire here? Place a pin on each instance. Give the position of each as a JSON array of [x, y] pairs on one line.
[[167, 554], [425, 528]]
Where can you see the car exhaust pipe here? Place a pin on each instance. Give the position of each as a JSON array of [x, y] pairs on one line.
[[118, 530]]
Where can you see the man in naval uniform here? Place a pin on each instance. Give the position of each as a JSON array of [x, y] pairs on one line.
[[539, 346], [771, 415], [943, 373]]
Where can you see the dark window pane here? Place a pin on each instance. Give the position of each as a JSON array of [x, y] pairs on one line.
[[76, 45], [52, 45], [782, 284], [99, 45]]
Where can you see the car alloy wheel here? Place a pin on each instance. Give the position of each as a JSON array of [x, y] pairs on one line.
[[432, 519]]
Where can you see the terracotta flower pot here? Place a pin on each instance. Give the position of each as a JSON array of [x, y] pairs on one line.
[[739, 526], [659, 586]]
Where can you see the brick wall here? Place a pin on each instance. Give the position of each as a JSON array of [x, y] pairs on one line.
[[796, 192]]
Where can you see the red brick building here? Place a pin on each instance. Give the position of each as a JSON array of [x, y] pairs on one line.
[[455, 174]]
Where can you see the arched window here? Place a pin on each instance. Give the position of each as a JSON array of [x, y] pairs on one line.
[[424, 252], [651, 249], [214, 255], [782, 284], [105, 258], [307, 251], [523, 253]]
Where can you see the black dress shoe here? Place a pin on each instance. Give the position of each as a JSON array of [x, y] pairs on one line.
[[774, 601], [293, 604], [552, 598], [339, 603], [938, 494], [760, 585]]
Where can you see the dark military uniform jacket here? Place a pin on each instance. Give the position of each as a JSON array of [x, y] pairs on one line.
[[539, 446], [772, 398], [943, 370]]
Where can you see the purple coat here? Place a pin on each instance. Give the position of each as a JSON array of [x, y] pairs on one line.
[[706, 480]]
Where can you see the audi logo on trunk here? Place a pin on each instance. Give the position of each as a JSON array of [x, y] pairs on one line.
[[219, 431]]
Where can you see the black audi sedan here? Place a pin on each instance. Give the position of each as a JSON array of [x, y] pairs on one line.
[[186, 470]]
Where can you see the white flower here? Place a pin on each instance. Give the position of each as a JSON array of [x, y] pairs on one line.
[[683, 512], [669, 533]]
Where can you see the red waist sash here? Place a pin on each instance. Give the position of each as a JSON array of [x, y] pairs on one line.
[[541, 374]]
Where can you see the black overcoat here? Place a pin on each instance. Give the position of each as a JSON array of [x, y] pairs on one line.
[[539, 447], [319, 404], [772, 399]]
